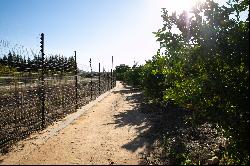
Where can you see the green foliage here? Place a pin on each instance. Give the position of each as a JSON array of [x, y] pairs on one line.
[[6, 70], [154, 80], [205, 68], [120, 71], [53, 63], [133, 76]]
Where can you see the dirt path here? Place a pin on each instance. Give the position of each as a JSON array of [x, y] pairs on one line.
[[107, 133]]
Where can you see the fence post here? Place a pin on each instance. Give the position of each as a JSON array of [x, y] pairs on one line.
[[111, 82], [99, 79], [112, 73], [115, 80], [91, 83], [76, 106], [108, 81], [42, 82], [16, 100], [64, 83]]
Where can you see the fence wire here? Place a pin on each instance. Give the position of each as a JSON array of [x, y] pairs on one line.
[[22, 86]]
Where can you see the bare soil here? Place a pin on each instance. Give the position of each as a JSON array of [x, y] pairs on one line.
[[120, 128], [109, 132]]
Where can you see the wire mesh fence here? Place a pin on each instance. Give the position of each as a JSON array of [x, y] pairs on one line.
[[36, 91]]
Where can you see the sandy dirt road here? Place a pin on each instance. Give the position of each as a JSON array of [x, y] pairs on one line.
[[109, 132]]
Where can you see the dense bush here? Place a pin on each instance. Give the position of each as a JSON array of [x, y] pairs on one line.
[[205, 68], [6, 70], [120, 71], [154, 81], [133, 76]]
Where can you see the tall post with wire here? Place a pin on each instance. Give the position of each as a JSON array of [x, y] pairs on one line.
[[76, 106], [108, 81], [112, 73], [99, 80], [42, 95], [111, 81], [91, 83]]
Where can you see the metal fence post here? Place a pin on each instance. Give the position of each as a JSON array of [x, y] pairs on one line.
[[111, 82], [16, 100], [42, 82], [76, 106], [112, 73], [99, 79], [108, 81], [115, 80], [91, 83]]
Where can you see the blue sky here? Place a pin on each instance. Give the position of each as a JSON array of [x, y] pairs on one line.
[[96, 29]]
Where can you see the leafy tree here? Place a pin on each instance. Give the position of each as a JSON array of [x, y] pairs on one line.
[[120, 71], [205, 68], [133, 75], [153, 80], [53, 63]]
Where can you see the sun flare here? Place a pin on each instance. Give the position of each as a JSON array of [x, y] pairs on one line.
[[176, 5]]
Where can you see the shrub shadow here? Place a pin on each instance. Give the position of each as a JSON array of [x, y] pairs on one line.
[[151, 123]]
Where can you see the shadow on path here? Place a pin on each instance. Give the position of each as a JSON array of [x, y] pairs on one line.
[[151, 123], [168, 134], [139, 118]]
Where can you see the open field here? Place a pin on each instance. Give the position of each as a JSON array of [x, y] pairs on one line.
[[21, 104]]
